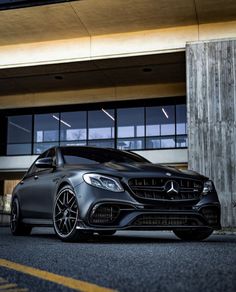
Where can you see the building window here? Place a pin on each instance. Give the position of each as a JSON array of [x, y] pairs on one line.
[[134, 128], [166, 127], [101, 128], [181, 126], [19, 135], [46, 131], [73, 128], [160, 127], [130, 128]]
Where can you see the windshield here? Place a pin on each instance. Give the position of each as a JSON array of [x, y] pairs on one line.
[[80, 155]]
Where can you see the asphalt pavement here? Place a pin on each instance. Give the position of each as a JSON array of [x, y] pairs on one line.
[[127, 261]]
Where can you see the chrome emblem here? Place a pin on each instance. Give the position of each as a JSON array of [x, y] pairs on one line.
[[172, 187]]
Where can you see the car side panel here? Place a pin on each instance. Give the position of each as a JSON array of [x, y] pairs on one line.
[[36, 195]]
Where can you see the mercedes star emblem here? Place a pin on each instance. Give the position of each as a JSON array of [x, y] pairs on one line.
[[172, 187]]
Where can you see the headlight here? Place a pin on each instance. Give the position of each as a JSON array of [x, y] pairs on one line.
[[103, 182], [208, 187]]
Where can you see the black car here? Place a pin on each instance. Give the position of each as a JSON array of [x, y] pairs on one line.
[[86, 190]]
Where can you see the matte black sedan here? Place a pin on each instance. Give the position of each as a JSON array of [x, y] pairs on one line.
[[86, 190]]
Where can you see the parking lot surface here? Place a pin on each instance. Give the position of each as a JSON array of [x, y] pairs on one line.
[[127, 261]]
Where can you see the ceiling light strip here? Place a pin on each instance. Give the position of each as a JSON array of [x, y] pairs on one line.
[[165, 113], [19, 127], [110, 116], [63, 122]]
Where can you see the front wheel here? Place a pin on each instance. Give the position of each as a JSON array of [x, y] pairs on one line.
[[16, 225], [65, 215], [193, 235]]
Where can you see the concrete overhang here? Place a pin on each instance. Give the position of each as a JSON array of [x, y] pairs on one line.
[[91, 29], [89, 50], [148, 69], [148, 76], [78, 19]]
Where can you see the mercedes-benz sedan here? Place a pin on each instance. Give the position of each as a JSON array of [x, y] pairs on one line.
[[86, 190]]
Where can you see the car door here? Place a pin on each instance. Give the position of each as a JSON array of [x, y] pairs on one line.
[[37, 190]]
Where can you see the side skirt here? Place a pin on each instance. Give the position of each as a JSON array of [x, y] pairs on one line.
[[38, 222]]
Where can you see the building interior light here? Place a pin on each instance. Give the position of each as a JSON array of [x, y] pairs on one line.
[[19, 127], [147, 69], [60, 120], [58, 77], [165, 113], [110, 116]]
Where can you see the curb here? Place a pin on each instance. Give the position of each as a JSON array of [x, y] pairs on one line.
[[224, 232]]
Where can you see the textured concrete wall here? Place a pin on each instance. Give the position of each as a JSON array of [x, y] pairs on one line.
[[211, 98]]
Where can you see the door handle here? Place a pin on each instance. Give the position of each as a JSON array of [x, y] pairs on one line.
[[36, 177]]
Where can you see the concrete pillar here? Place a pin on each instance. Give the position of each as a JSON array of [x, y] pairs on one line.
[[211, 104]]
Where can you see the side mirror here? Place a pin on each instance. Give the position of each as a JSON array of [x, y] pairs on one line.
[[45, 163]]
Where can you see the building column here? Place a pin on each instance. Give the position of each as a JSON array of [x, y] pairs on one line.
[[211, 104]]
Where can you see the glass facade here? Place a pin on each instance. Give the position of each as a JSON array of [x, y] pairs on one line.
[[73, 128], [130, 128], [46, 131], [160, 127], [181, 126], [101, 128], [19, 135]]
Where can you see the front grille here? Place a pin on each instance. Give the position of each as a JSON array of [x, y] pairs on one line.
[[156, 189], [167, 220]]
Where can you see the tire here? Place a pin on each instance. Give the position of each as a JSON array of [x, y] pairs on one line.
[[193, 235], [17, 227], [65, 216], [106, 232]]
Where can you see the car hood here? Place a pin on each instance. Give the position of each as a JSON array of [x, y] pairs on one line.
[[138, 169]]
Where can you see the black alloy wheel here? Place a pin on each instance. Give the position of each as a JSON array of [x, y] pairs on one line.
[[193, 234], [66, 214], [16, 226]]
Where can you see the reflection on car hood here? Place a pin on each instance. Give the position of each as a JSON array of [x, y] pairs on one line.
[[115, 168], [149, 167]]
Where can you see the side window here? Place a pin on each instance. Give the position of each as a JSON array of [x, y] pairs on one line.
[[52, 153]]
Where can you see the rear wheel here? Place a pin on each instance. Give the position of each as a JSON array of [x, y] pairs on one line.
[[193, 235], [16, 225], [65, 215]]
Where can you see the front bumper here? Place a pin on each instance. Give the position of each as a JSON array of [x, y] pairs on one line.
[[105, 210]]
